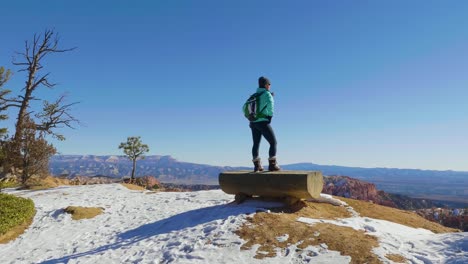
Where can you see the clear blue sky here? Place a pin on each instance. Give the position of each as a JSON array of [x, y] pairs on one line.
[[357, 83]]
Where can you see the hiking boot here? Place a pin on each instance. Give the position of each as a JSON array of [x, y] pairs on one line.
[[257, 164], [272, 165]]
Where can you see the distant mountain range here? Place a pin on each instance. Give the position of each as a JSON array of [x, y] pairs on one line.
[[430, 184], [165, 168]]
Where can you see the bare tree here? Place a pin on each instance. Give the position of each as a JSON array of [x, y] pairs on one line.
[[35, 52], [28, 152], [55, 115]]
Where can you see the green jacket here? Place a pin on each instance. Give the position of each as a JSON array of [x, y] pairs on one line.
[[267, 103]]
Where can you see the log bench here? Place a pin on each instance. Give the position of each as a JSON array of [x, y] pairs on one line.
[[292, 185]]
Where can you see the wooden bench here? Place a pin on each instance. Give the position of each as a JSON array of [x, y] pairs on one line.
[[292, 185]]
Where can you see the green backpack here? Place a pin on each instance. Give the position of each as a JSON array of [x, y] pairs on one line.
[[250, 108]]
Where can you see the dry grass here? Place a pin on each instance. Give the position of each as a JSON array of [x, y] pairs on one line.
[[79, 212], [396, 258], [264, 228], [407, 218], [134, 187], [15, 232], [315, 210], [7, 183], [42, 183]]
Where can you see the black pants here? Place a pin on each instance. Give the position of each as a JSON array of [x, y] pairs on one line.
[[264, 129]]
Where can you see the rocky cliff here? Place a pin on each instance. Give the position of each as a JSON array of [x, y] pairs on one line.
[[348, 187]]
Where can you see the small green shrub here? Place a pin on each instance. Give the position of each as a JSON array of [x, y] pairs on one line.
[[14, 211]]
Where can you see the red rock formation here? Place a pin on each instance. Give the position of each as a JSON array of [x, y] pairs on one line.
[[149, 182], [345, 186]]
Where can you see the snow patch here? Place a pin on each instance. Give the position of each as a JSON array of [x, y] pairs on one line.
[[283, 238]]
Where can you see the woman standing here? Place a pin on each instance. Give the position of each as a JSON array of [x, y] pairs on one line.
[[261, 126]]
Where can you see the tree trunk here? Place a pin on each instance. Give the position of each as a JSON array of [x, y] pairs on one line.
[[21, 115], [25, 173], [132, 179], [25, 103]]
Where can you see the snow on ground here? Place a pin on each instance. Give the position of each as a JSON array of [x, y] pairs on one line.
[[415, 244], [188, 227]]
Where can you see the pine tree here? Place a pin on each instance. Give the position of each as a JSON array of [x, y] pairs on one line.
[[134, 149], [4, 77], [31, 152]]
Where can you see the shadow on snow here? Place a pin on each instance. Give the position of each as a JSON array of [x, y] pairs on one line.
[[165, 226]]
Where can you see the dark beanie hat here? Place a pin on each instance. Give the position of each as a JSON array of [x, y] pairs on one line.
[[263, 81]]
